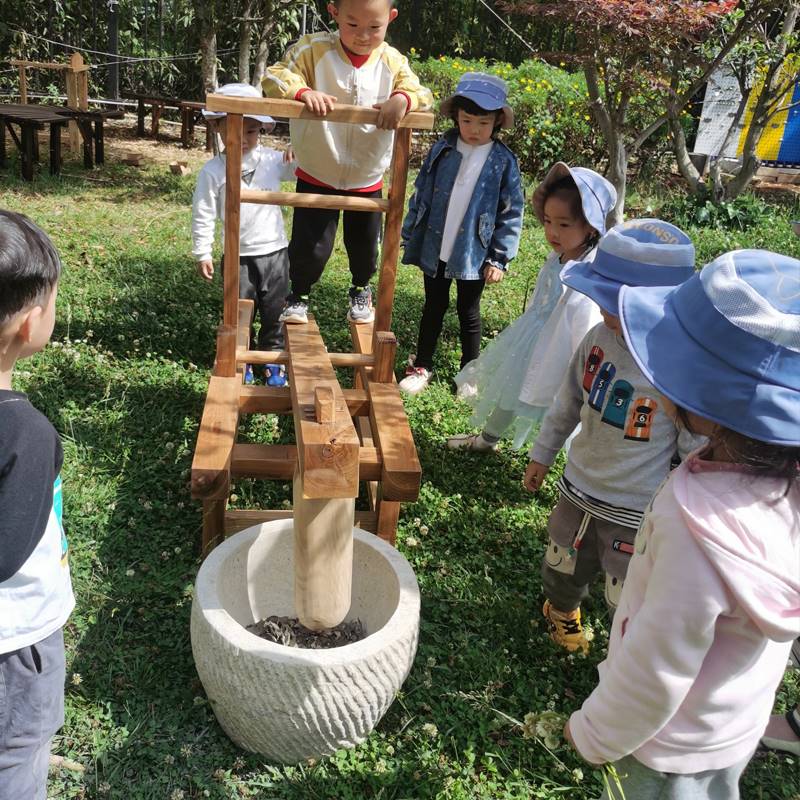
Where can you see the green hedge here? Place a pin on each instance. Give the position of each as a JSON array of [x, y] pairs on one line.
[[550, 106]]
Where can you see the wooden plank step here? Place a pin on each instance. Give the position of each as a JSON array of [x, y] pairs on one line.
[[215, 439], [277, 462], [278, 400], [238, 519], [401, 473]]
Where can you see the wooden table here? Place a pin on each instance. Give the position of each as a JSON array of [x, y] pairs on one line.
[[30, 119], [90, 124]]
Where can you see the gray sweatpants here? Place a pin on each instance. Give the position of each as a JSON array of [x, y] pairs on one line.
[[31, 711], [642, 783], [568, 573]]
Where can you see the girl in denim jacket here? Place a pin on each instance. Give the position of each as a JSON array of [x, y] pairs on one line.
[[464, 219]]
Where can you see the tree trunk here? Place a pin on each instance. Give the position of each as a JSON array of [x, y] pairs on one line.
[[245, 34], [687, 169], [618, 175], [264, 38], [207, 22]]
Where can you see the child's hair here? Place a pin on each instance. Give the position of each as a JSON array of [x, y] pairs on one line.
[[567, 190], [471, 107], [763, 458], [29, 264]]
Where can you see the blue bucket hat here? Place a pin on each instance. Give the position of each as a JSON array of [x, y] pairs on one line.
[[641, 252], [239, 90], [598, 195], [726, 344], [487, 91]]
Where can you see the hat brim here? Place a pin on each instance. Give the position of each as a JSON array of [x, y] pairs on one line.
[[700, 381], [506, 117], [581, 276], [221, 114]]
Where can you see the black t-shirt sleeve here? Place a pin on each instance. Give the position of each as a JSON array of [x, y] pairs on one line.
[[30, 460]]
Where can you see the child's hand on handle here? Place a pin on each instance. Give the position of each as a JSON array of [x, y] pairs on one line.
[[205, 269], [288, 155], [534, 476], [391, 112], [492, 274], [318, 103]]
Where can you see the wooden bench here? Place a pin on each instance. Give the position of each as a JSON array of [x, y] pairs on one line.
[[31, 119], [91, 125]]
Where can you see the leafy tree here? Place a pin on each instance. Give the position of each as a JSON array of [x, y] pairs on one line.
[[629, 49], [765, 65]]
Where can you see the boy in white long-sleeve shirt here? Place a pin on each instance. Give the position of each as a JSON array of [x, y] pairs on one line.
[[263, 254]]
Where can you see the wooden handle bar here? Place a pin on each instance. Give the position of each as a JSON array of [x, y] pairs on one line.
[[294, 109], [282, 357], [301, 199]]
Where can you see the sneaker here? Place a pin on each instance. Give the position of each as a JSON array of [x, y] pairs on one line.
[[471, 441], [565, 628], [416, 379], [466, 391], [274, 375], [783, 733], [249, 378], [360, 305], [295, 311]]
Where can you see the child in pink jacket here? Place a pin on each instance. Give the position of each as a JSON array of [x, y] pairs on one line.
[[711, 603]]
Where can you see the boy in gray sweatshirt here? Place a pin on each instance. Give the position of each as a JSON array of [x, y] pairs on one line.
[[626, 442]]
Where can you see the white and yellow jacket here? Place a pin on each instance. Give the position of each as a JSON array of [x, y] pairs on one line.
[[344, 156]]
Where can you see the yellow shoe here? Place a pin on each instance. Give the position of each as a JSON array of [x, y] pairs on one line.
[[565, 628]]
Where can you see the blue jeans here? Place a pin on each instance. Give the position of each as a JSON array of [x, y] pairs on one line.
[[31, 711]]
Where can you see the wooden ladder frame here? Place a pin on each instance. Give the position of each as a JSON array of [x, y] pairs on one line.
[[343, 435]]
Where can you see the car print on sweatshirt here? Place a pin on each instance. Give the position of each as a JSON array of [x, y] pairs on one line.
[[617, 406], [641, 419], [593, 362], [600, 386]]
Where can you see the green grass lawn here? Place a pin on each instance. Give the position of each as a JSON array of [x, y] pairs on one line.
[[124, 382]]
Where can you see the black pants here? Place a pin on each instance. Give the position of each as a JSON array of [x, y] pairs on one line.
[[468, 306], [265, 281], [313, 234]]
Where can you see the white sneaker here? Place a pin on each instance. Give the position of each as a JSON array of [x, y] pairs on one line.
[[471, 441], [416, 380], [466, 391]]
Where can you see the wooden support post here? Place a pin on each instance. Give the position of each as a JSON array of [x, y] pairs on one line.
[[388, 514], [323, 557], [225, 362], [233, 189], [55, 149], [140, 116], [213, 525], [246, 308], [3, 142], [74, 70], [23, 85], [155, 119], [99, 144], [385, 353], [28, 132], [390, 249]]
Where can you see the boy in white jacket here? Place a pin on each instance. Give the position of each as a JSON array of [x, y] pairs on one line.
[[263, 259], [711, 603]]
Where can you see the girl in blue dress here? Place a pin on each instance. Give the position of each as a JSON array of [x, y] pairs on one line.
[[512, 383]]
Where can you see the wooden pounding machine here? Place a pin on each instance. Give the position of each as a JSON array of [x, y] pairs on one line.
[[343, 436]]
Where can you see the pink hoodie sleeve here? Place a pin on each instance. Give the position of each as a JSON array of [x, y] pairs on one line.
[[664, 642]]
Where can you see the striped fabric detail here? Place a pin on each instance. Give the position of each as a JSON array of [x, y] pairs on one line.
[[620, 516]]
